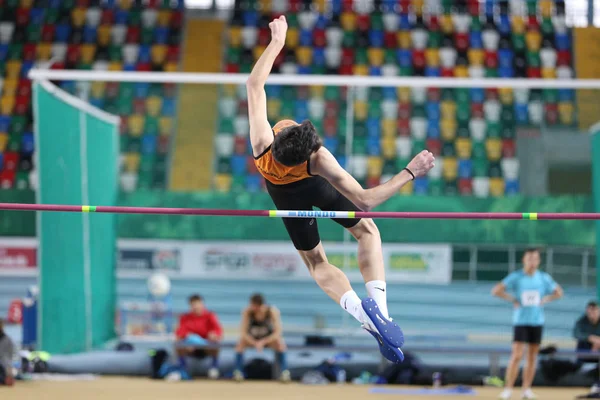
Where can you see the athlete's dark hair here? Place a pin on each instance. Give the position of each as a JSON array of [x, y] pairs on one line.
[[532, 250], [257, 299], [195, 297], [294, 144]]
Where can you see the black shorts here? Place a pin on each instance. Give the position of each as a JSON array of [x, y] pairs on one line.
[[304, 195], [528, 334], [199, 354]]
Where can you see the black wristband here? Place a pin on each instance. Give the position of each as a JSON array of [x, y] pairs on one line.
[[410, 172]]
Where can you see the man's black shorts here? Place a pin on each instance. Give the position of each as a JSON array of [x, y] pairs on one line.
[[304, 195], [528, 334]]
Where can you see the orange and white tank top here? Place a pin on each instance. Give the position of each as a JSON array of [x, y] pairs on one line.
[[276, 173]]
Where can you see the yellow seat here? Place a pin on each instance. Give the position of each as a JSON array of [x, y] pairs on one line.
[[549, 73], [7, 104], [407, 189], [158, 53], [565, 112], [44, 51], [304, 55], [506, 95], [388, 147], [264, 6], [461, 71], [361, 109], [496, 187], [317, 91], [153, 106], [229, 90], [404, 40], [545, 8], [26, 3], [448, 109], [104, 35], [374, 166], [446, 23], [432, 57], [222, 182], [476, 57], [125, 4], [132, 162], [533, 39], [78, 17], [257, 51], [361, 70], [417, 6], [388, 128], [493, 147], [403, 94], [235, 36], [171, 66], [273, 108], [10, 87], [88, 53], [348, 21], [321, 5], [518, 25], [115, 66], [292, 38], [13, 69], [463, 148], [375, 56], [165, 126], [3, 141], [448, 129], [98, 89], [135, 124], [163, 18], [449, 168]]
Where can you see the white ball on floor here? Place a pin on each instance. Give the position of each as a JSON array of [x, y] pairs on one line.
[[159, 285], [174, 376]]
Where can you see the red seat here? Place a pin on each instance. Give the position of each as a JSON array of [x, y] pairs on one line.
[[434, 94], [551, 113], [563, 58], [347, 57], [58, 65], [48, 33], [83, 3], [111, 90], [133, 34], [302, 92], [389, 40], [346, 69], [108, 17], [492, 94], [473, 7], [404, 110], [348, 5], [534, 72], [508, 148], [533, 23], [490, 59], [447, 72], [143, 67], [232, 68], [373, 181], [123, 128], [176, 19], [24, 88], [418, 57], [240, 145], [477, 110], [73, 53], [139, 106], [11, 160], [331, 108], [319, 38], [169, 89], [404, 6], [330, 126], [29, 52], [434, 23], [163, 144], [7, 179], [465, 186], [279, 59], [22, 104], [173, 54], [152, 3], [461, 41], [243, 108], [363, 22], [403, 127], [264, 36], [250, 166], [434, 146], [22, 16]]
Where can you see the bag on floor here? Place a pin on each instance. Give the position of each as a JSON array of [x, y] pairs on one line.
[[404, 373], [158, 358], [554, 368], [259, 369]]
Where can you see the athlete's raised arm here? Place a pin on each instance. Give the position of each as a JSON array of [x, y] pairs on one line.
[[323, 163], [260, 130]]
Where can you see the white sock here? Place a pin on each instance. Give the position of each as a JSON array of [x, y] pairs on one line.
[[377, 291], [351, 303]]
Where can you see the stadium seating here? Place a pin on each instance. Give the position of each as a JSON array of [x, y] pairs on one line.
[[98, 35], [472, 131]]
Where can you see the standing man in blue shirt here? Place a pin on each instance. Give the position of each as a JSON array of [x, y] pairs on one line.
[[528, 290]]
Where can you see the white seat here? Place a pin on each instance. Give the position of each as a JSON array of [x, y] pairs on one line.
[[361, 93], [477, 128], [128, 181], [461, 22], [389, 70], [6, 32], [419, 38], [241, 92], [481, 186], [82, 88], [418, 127], [384, 178], [476, 72], [491, 110], [34, 179], [403, 146], [389, 109], [241, 125], [510, 168], [434, 7], [521, 95], [560, 23], [448, 57], [100, 66], [224, 145], [536, 112], [307, 19], [548, 57], [334, 36], [316, 108], [364, 6], [249, 36], [130, 53], [58, 51], [149, 17], [358, 166], [92, 16], [564, 72], [228, 106], [390, 22], [437, 170], [518, 8], [418, 95], [289, 68], [279, 6], [490, 39], [118, 33], [333, 56]]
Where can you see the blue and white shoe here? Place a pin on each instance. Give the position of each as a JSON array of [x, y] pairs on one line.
[[388, 334]]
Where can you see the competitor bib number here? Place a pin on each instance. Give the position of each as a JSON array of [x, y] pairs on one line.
[[530, 298]]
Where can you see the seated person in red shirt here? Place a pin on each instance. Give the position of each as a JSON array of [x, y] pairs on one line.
[[196, 328]]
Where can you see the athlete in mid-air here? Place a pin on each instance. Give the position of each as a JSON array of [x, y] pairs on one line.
[[301, 174]]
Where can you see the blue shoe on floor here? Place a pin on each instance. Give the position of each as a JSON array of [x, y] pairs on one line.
[[387, 332]]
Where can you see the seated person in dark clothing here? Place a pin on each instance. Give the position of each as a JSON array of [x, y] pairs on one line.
[[587, 331], [196, 328], [7, 352]]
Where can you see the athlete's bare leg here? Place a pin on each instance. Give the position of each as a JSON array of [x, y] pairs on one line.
[[329, 278]]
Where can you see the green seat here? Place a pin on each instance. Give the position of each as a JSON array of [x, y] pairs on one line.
[[224, 165], [22, 180], [418, 111], [68, 4], [360, 129], [494, 170], [406, 71], [147, 36], [417, 147], [135, 17], [462, 130], [478, 151], [533, 59], [550, 95], [349, 39], [450, 188], [332, 93], [11, 4], [318, 124], [508, 132], [389, 56], [226, 126], [124, 106], [17, 125], [84, 66], [14, 143], [377, 20], [463, 114], [375, 109], [126, 90], [114, 52], [151, 125], [134, 144], [448, 149], [287, 109], [359, 145], [480, 167], [518, 41], [238, 183], [52, 15], [401, 163], [288, 93], [245, 67], [434, 40], [491, 73], [361, 57], [447, 94], [389, 168], [156, 89], [532, 7], [318, 69], [144, 180], [447, 6], [233, 55], [341, 131], [34, 33], [535, 95], [123, 143], [507, 116], [463, 96], [376, 94], [493, 129], [292, 20], [546, 27], [475, 25], [15, 51], [436, 187], [161, 164], [111, 107]]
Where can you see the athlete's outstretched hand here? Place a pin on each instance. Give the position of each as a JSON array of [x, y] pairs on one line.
[[422, 163], [278, 29]]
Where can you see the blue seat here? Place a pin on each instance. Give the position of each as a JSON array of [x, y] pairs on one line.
[[421, 186], [511, 187], [305, 38], [489, 8], [273, 91], [404, 22], [97, 102], [336, 6], [107, 3], [89, 34], [141, 89], [321, 22], [250, 18], [505, 57], [373, 146], [1, 161], [253, 183], [389, 93], [433, 71], [304, 70], [475, 40], [161, 35], [168, 107], [68, 86], [504, 27], [433, 129], [149, 143], [432, 108], [331, 144], [129, 67], [318, 56], [121, 17], [177, 5], [238, 165], [301, 110], [25, 68], [521, 113], [376, 38], [465, 168], [477, 95], [62, 33], [506, 72], [404, 57], [341, 159], [27, 146], [144, 54], [4, 123], [3, 51], [566, 95], [388, 5], [54, 3], [36, 16], [562, 41], [375, 71], [373, 127]]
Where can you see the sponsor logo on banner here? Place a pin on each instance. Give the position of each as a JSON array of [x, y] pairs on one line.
[[245, 260], [149, 260], [407, 262], [18, 257]]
